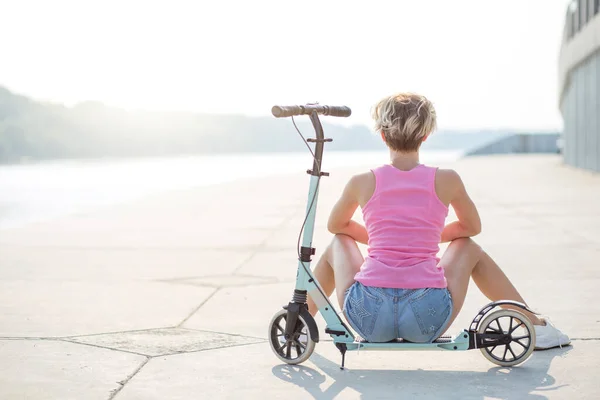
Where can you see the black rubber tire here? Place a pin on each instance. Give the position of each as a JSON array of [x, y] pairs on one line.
[[528, 347], [302, 349]]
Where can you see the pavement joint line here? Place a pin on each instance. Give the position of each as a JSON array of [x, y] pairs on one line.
[[224, 333], [26, 338], [211, 349], [256, 340], [182, 279], [269, 280], [264, 243], [186, 279], [174, 353], [255, 276], [197, 308], [101, 347], [125, 381], [71, 338], [245, 285], [273, 278], [114, 332]]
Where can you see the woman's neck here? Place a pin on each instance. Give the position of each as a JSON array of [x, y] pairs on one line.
[[404, 161]]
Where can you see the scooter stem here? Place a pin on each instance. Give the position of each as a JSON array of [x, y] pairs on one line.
[[306, 250]]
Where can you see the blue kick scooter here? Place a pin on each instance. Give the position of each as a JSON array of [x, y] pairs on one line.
[[505, 337]]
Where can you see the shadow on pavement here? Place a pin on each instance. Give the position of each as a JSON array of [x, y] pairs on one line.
[[497, 382]]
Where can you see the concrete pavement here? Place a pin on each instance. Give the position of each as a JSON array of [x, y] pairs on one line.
[[170, 297]]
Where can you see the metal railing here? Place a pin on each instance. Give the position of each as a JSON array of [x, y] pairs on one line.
[[579, 13]]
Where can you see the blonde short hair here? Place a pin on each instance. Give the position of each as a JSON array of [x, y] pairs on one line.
[[405, 120]]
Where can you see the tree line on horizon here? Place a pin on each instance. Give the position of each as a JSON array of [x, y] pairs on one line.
[[32, 130]]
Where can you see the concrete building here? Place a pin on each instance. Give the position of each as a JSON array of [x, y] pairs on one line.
[[579, 84]]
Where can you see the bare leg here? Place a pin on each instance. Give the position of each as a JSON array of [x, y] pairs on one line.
[[463, 260], [336, 268]]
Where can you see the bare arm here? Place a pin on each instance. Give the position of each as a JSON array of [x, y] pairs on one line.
[[469, 223], [340, 219]]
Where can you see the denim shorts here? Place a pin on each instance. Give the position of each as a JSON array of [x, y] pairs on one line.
[[382, 314]]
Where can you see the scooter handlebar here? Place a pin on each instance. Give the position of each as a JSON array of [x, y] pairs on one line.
[[289, 111]]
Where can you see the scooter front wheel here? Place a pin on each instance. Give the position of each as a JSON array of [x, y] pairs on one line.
[[521, 333], [295, 349]]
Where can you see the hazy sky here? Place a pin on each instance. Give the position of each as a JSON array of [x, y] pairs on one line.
[[483, 63]]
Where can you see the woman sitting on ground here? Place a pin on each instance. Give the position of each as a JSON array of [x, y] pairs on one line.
[[401, 289]]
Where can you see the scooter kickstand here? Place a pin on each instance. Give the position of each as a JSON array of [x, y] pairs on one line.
[[342, 348]]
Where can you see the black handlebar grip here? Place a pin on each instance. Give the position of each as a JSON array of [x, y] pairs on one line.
[[289, 111], [286, 111], [337, 111]]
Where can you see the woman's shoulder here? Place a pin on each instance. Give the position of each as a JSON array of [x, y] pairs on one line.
[[447, 175], [363, 185], [447, 183], [362, 179]]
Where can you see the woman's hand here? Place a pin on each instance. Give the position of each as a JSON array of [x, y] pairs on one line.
[[355, 230], [455, 230], [340, 219]]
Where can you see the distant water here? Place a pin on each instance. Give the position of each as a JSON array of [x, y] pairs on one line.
[[42, 191]]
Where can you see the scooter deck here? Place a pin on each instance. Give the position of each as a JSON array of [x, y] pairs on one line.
[[442, 339], [459, 342]]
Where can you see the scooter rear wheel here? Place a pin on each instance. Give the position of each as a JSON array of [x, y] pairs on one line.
[[522, 335], [296, 349]]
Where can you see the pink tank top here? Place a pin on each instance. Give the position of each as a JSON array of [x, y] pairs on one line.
[[404, 219]]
